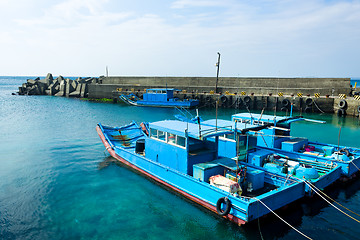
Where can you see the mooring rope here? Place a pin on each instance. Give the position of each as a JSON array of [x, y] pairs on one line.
[[282, 219], [262, 238], [355, 166], [318, 107], [332, 199], [331, 203]]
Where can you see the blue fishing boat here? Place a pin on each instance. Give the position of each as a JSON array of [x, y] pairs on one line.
[[159, 97], [183, 156], [278, 135]]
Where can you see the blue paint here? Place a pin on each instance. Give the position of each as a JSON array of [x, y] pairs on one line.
[[174, 164], [159, 97]]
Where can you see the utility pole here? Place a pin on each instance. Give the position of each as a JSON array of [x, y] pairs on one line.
[[217, 74]]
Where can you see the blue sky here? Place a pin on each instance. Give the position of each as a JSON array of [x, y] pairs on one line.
[[265, 38]]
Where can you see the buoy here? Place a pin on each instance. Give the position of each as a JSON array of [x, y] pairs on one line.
[[226, 201], [247, 99], [284, 109], [308, 109], [342, 104], [309, 102], [285, 102], [223, 99], [341, 112]]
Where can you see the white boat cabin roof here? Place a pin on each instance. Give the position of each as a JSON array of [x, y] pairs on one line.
[[209, 128]]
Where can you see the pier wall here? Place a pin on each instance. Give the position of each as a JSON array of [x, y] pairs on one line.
[[306, 94], [258, 86]]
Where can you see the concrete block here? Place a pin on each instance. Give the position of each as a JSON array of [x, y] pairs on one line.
[[84, 90], [31, 82], [77, 91], [49, 78], [62, 88]]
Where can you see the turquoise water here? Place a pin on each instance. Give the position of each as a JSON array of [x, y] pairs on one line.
[[57, 183]]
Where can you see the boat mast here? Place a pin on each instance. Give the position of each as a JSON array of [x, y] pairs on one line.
[[217, 73]]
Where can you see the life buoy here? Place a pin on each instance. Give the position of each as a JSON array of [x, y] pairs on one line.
[[247, 99], [220, 202], [309, 102], [285, 102], [346, 152], [341, 112], [342, 104], [308, 109], [223, 99]]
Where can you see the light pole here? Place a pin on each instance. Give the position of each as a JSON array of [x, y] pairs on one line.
[[217, 74]]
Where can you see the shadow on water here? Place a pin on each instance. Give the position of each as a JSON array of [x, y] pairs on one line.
[[107, 161]]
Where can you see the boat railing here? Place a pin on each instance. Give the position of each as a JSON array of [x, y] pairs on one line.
[[209, 131]]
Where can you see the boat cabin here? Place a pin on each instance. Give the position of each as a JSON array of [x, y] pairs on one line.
[[159, 94], [180, 145]]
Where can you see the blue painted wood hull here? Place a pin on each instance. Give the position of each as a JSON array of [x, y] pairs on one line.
[[243, 209]]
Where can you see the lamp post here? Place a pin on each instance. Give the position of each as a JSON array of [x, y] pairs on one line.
[[217, 74]]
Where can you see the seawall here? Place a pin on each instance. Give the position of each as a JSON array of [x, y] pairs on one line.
[[306, 94]]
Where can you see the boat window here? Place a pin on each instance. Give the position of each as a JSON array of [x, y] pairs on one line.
[[230, 136], [153, 133], [150, 91], [171, 138], [161, 135], [180, 141], [163, 91]]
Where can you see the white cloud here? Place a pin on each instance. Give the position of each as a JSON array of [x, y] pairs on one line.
[[266, 38]]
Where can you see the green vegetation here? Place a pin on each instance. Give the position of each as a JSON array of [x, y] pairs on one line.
[[97, 99]]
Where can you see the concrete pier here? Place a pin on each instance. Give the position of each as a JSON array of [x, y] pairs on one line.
[[321, 95]]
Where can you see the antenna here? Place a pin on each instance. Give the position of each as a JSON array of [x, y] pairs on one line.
[[107, 71]]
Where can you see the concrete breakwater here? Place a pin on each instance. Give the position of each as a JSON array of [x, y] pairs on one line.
[[57, 87], [328, 95], [322, 95]]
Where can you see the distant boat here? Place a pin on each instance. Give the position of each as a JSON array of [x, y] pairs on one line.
[[183, 156], [159, 97]]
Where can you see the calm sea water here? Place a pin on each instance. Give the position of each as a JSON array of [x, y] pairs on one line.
[[57, 183]]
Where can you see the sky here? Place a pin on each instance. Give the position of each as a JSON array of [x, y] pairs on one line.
[[256, 38]]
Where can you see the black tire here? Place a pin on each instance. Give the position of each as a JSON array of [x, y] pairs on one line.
[[284, 109], [223, 99], [342, 104], [223, 200], [346, 152], [308, 109], [285, 102], [358, 109], [208, 99], [341, 112], [247, 99], [309, 102]]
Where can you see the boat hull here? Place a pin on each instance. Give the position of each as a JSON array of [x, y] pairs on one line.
[[243, 209]]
